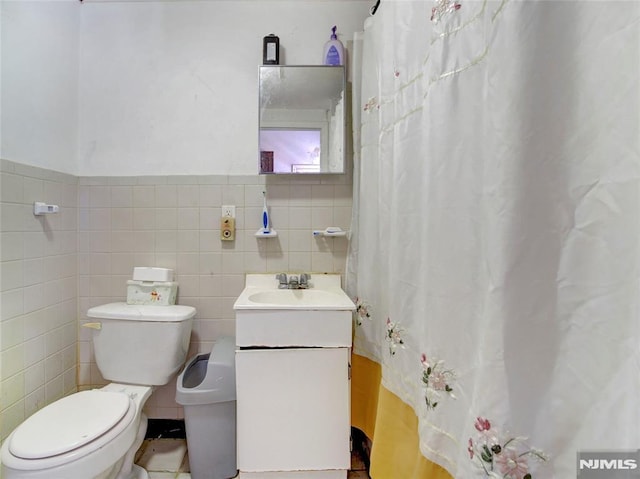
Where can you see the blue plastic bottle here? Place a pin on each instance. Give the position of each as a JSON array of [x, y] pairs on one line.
[[333, 50]]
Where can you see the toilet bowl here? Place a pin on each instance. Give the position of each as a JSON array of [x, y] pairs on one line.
[[90, 434], [95, 434]]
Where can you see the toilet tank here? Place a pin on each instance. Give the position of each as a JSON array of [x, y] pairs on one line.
[[140, 344]]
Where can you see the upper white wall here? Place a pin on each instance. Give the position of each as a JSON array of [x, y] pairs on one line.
[[172, 87], [39, 83]]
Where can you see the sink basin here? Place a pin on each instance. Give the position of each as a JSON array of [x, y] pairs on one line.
[[297, 298], [320, 316], [261, 292]]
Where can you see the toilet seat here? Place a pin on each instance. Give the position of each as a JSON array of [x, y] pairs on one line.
[[82, 447], [68, 424]]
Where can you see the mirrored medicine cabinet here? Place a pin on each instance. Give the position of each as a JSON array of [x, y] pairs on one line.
[[302, 119]]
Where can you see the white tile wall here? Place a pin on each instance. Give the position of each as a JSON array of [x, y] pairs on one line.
[[38, 291], [54, 268], [173, 222]]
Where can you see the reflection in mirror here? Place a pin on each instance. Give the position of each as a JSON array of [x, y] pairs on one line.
[[298, 150], [302, 120]]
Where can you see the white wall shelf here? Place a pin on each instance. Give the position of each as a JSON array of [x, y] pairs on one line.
[[261, 233]]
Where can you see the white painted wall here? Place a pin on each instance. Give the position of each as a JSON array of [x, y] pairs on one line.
[[172, 87], [123, 88], [1, 37], [39, 83]]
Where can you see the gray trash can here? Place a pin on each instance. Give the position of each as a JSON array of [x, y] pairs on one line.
[[207, 390]]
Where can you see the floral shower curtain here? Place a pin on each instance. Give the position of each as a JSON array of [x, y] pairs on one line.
[[495, 250]]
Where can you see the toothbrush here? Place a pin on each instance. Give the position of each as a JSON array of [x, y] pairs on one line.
[[265, 214]]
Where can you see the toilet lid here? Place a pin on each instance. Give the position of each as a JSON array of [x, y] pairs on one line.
[[68, 424]]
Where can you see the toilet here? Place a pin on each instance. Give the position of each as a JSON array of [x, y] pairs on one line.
[[95, 434]]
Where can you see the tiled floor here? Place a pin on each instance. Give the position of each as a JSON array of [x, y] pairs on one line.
[[169, 459]]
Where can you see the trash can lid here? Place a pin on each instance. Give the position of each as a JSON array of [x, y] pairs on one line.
[[214, 385]]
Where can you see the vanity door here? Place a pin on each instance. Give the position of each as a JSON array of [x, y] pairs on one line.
[[293, 409]]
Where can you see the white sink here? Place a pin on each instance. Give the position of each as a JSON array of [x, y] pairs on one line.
[[318, 316], [298, 298], [261, 292]]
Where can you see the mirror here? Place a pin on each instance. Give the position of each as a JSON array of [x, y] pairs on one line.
[[302, 119]]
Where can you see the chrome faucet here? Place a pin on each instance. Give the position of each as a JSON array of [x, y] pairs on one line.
[[293, 282], [299, 282]]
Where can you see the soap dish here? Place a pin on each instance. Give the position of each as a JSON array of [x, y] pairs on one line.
[[330, 231], [261, 233]]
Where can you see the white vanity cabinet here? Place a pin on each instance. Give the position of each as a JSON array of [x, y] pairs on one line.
[[293, 410], [293, 390]]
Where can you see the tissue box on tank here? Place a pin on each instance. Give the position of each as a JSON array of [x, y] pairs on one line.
[[152, 286], [161, 293]]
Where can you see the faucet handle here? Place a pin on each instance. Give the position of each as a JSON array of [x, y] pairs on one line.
[[304, 280], [282, 279]]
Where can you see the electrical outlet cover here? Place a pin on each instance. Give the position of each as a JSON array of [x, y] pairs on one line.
[[228, 210]]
